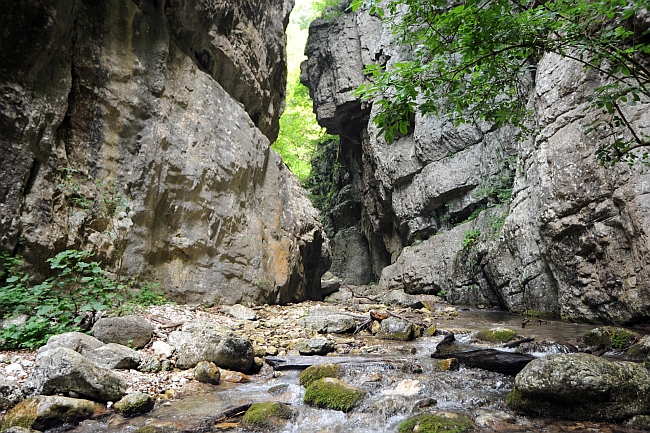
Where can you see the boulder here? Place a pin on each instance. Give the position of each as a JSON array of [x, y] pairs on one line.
[[10, 394], [149, 364], [314, 346], [397, 329], [43, 412], [610, 337], [130, 331], [135, 403], [163, 349], [238, 311], [328, 324], [582, 386], [207, 372], [329, 283], [77, 341], [233, 376], [319, 371], [63, 370], [496, 335], [226, 351], [437, 422], [402, 299], [115, 356], [331, 393], [267, 416]]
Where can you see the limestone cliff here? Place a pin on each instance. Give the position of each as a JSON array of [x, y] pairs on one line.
[[473, 212], [140, 129]]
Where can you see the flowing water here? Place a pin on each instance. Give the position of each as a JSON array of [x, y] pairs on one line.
[[400, 381]]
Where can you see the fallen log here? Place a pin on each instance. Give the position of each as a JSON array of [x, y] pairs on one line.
[[518, 342], [489, 359]]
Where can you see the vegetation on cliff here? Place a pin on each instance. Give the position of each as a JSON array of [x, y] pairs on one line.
[[476, 60]]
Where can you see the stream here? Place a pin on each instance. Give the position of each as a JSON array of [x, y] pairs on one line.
[[400, 379]]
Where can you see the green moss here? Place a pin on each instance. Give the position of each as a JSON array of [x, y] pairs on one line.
[[434, 423], [514, 399], [315, 372], [156, 429], [331, 393], [496, 335], [610, 336], [266, 415]]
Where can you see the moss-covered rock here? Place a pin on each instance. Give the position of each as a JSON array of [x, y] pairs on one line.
[[315, 372], [447, 422], [156, 429], [267, 416], [610, 336], [43, 412], [449, 364], [135, 403], [430, 331], [496, 335], [331, 393]]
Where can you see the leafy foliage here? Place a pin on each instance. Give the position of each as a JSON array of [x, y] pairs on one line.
[[299, 130], [470, 238], [475, 59], [77, 290]]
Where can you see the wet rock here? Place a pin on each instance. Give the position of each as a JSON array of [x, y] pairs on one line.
[[315, 372], [488, 359], [406, 388], [153, 428], [430, 331], [439, 422], [163, 349], [44, 412], [610, 337], [449, 364], [149, 364], [226, 351], [207, 372], [63, 370], [233, 376], [115, 356], [331, 393], [329, 283], [17, 429], [135, 403], [496, 335], [10, 394], [582, 386], [130, 331], [267, 416], [329, 324], [77, 341], [396, 329], [314, 346], [401, 299], [241, 312]]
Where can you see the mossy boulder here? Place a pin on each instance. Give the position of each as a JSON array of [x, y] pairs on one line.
[[449, 364], [315, 372], [267, 416], [610, 336], [135, 403], [496, 335], [447, 422], [582, 386], [44, 412], [331, 393]]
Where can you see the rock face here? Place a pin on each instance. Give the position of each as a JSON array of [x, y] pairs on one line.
[[582, 386], [473, 213], [140, 131]]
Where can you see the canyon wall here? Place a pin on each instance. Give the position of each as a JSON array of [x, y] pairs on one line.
[[140, 130], [472, 212]]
